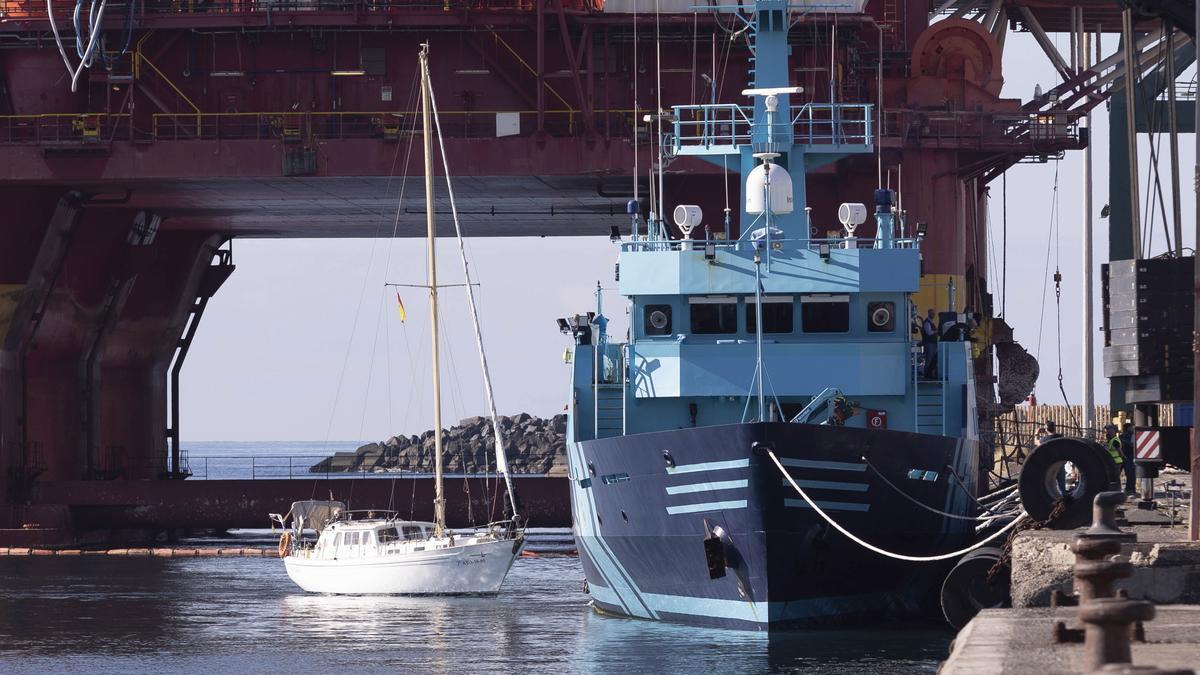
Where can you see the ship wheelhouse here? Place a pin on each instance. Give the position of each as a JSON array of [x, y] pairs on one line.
[[837, 313]]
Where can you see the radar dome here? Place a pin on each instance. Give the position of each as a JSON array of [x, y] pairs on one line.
[[781, 190]]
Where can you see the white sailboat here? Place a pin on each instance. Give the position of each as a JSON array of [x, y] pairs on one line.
[[370, 552]]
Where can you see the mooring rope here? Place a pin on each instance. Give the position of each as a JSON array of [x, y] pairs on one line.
[[997, 493], [914, 500], [871, 547]]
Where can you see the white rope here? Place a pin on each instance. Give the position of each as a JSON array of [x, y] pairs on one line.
[[501, 460], [876, 549], [87, 55], [993, 495]]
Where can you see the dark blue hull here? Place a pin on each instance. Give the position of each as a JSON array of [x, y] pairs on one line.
[[640, 523]]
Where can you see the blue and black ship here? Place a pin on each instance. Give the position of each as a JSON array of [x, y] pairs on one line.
[[773, 351]]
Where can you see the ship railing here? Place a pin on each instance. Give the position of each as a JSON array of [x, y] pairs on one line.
[[64, 129], [725, 128], [816, 245], [382, 125], [302, 467], [1047, 131], [272, 467]]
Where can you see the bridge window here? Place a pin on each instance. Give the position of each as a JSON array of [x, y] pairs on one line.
[[656, 320], [387, 535], [825, 313], [713, 315], [777, 311]]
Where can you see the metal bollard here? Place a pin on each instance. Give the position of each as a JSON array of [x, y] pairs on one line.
[[1104, 518], [1095, 573], [1108, 622]]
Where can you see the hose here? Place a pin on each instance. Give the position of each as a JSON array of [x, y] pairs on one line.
[[87, 55], [876, 549], [109, 61]]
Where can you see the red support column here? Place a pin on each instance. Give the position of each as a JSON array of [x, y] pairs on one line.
[[541, 66]]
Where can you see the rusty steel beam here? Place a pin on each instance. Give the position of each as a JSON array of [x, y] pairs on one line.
[[573, 62], [115, 295], [1194, 516], [541, 66], [1045, 42], [31, 308], [501, 71]]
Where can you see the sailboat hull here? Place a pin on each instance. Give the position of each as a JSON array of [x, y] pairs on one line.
[[458, 570], [643, 505]]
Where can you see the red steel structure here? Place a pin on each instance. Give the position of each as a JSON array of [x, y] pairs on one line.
[[205, 120]]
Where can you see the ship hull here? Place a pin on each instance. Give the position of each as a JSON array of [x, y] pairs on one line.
[[640, 523]]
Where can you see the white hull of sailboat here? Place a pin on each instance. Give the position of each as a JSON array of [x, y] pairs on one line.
[[459, 570]]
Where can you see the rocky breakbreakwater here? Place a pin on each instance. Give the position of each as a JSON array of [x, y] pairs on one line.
[[532, 444]]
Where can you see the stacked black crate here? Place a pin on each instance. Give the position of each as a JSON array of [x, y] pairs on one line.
[[1148, 327]]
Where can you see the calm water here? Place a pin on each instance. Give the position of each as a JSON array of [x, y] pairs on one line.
[[243, 614]]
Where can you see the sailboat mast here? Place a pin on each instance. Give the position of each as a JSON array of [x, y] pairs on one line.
[[439, 501]]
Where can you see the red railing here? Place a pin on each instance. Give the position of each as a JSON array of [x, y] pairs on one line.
[[63, 9], [301, 127]]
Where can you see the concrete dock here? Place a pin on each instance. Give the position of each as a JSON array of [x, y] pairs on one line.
[[1165, 571], [1019, 642]]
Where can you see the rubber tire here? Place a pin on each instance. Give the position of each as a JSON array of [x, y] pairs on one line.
[[966, 590], [1094, 465]]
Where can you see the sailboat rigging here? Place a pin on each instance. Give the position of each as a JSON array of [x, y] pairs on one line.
[[371, 552]]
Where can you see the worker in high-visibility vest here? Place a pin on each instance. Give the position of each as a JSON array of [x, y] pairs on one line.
[[1113, 445], [1127, 450]]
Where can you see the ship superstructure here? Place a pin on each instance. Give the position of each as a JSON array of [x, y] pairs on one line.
[[790, 340]]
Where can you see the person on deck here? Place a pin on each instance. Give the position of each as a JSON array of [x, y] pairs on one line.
[[929, 343]]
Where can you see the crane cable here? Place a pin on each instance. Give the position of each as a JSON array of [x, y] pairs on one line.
[[1058, 302], [889, 554]]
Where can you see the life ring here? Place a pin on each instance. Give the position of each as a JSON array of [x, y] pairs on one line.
[[285, 544]]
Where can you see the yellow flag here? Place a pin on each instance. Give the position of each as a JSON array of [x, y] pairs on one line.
[[400, 304]]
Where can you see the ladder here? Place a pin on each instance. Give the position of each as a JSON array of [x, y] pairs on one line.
[[610, 410], [931, 408], [891, 17]]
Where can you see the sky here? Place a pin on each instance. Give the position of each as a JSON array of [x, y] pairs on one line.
[[304, 342]]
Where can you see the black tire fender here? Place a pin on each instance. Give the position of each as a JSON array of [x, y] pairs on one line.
[[1038, 486], [967, 589]]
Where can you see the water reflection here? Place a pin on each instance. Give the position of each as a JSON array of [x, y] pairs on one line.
[[244, 614]]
